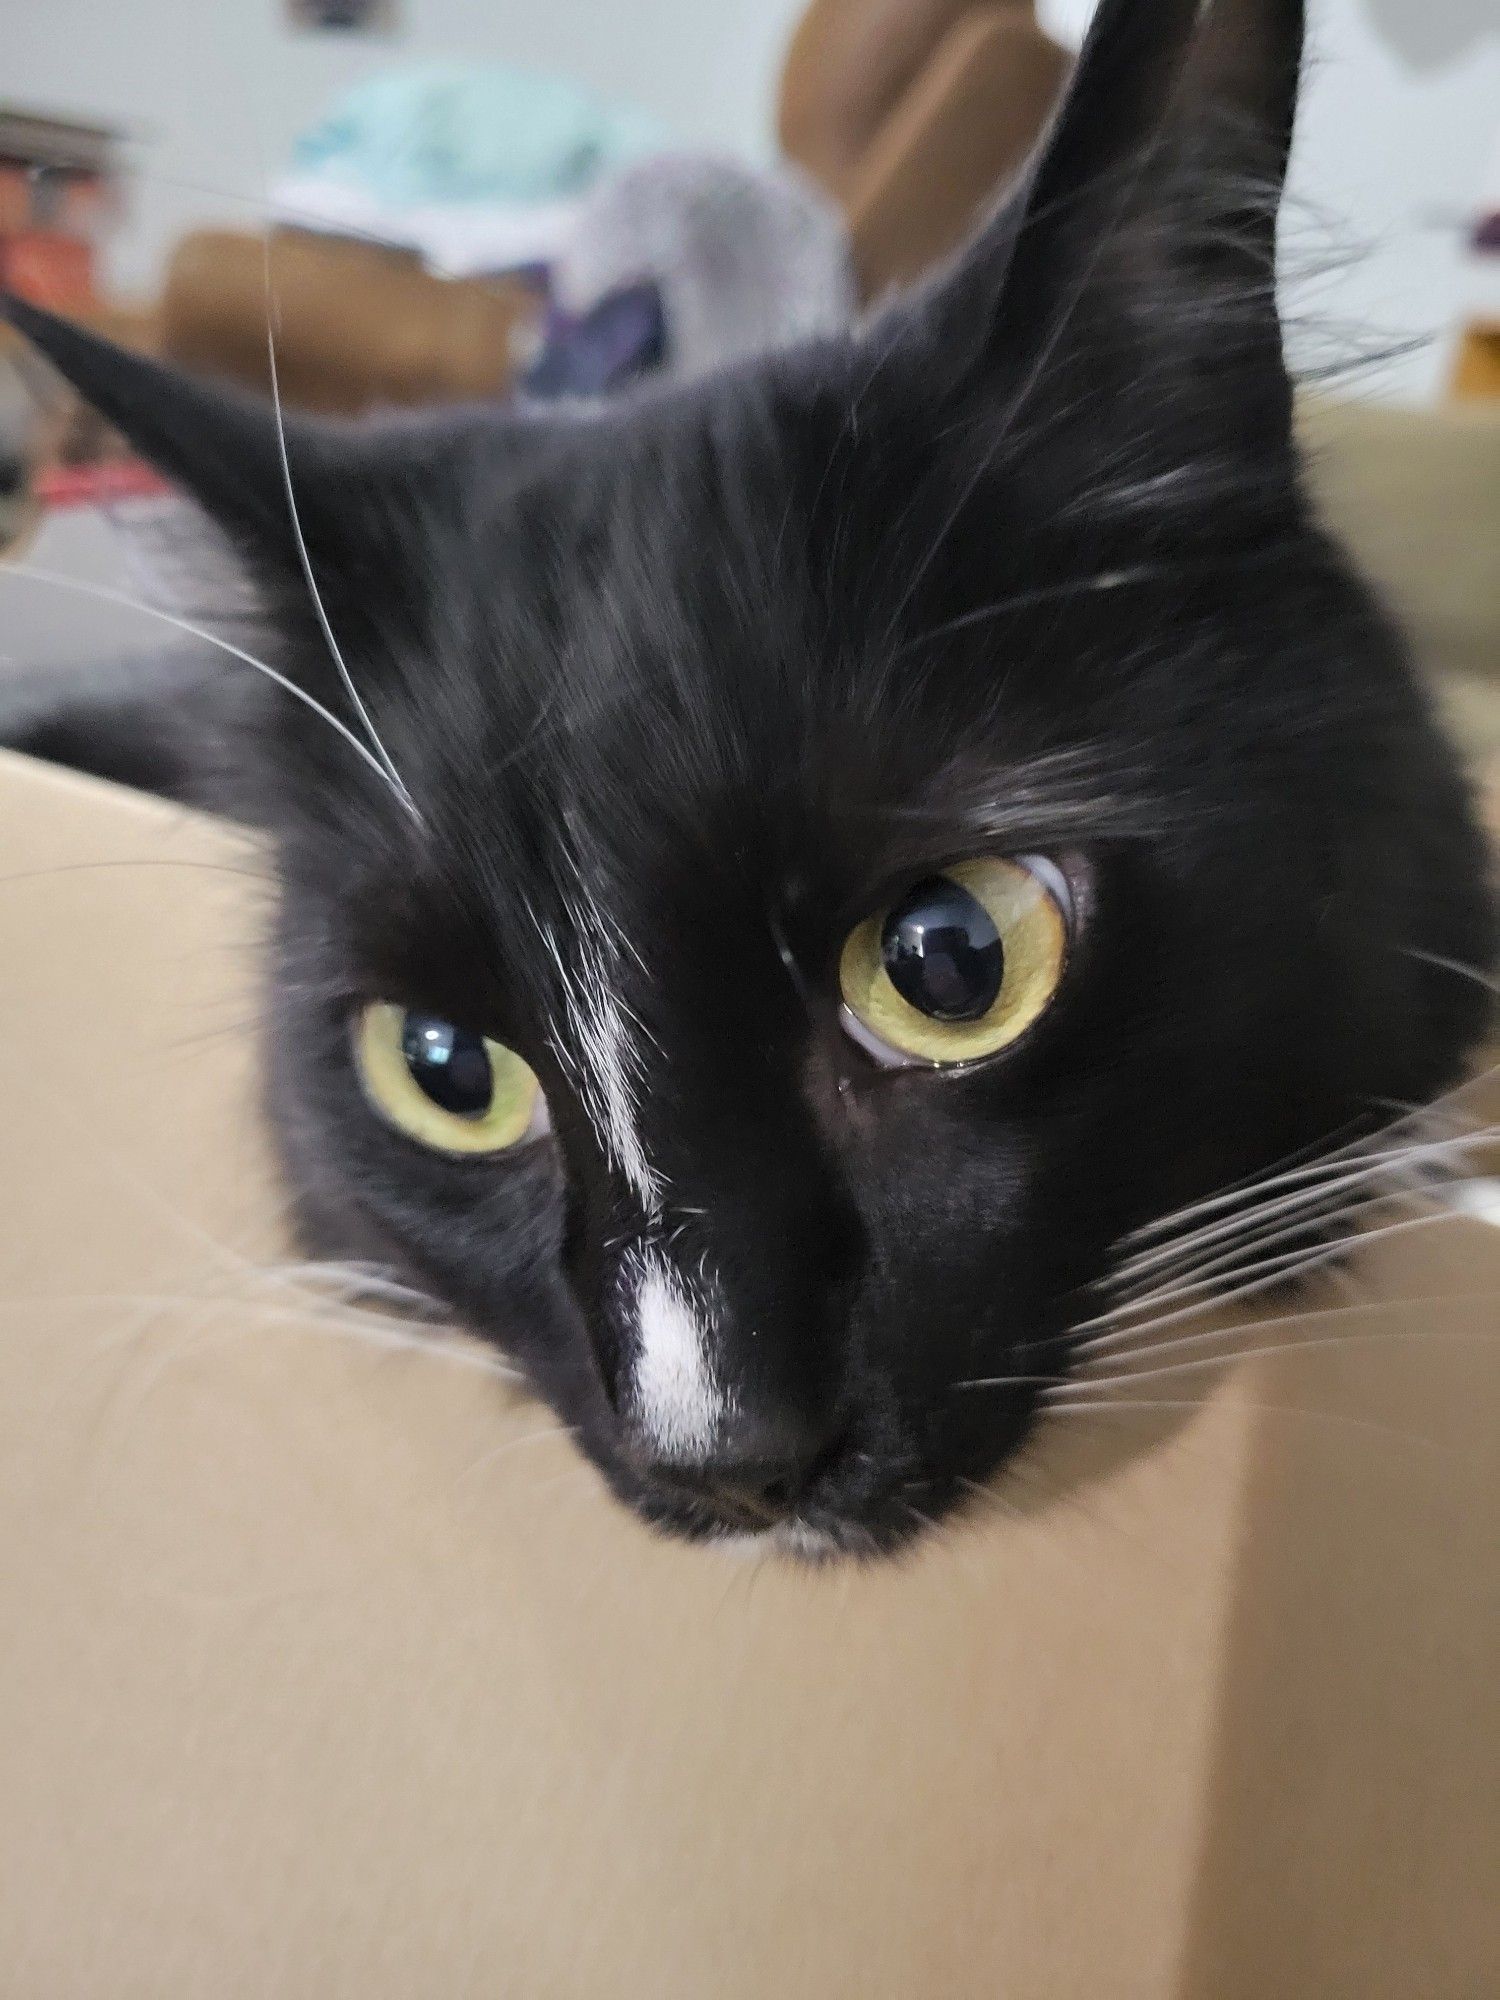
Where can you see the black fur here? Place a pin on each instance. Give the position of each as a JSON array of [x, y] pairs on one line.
[[1025, 566]]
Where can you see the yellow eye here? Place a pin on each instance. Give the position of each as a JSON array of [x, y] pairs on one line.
[[960, 966], [443, 1086]]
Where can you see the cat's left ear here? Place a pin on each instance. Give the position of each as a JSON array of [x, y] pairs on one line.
[[1133, 270]]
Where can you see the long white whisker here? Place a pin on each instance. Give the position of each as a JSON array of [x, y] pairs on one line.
[[392, 774], [439, 1343], [1303, 1316], [1317, 1178], [1122, 1365], [1339, 1179], [354, 1281], [1011, 1381], [1237, 1261], [1279, 1271], [34, 573], [1078, 1392], [1410, 1116], [1253, 1235], [509, 1445]]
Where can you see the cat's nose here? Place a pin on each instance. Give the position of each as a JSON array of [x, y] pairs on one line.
[[759, 1469]]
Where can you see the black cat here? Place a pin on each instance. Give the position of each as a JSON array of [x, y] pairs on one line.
[[782, 877]]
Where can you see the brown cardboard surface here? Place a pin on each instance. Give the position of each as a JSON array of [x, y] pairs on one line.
[[328, 1670]]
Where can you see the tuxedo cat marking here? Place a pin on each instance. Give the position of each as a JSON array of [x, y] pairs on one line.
[[679, 1402], [825, 856]]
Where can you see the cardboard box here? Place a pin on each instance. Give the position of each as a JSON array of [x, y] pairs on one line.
[[328, 1670]]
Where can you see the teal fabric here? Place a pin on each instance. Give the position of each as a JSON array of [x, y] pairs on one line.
[[453, 133]]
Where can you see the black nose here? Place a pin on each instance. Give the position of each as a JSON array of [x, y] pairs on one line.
[[759, 1470]]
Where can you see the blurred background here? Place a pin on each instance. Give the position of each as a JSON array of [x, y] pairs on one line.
[[209, 98], [469, 196]]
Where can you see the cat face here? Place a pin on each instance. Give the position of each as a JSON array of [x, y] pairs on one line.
[[820, 857], [756, 1250]]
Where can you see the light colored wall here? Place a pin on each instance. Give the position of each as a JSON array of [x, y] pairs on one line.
[[217, 89], [1399, 117]]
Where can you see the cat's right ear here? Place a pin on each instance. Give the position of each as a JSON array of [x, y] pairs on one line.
[[1141, 237], [228, 451], [1017, 270], [310, 511]]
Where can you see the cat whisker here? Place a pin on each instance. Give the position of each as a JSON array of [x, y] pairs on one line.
[[1226, 1336], [1414, 1119], [1251, 1249], [508, 1445], [1330, 1164], [1418, 1170], [1318, 1187], [436, 1341], [789, 959], [439, 1344], [929, 1525], [393, 776], [1086, 1389], [1307, 1227], [1009, 1382], [354, 1280], [1209, 1274], [35, 573], [1276, 1271], [1126, 1406], [1231, 1337], [1307, 1224], [145, 861], [1456, 966]]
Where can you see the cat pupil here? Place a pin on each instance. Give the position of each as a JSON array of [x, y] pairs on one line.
[[449, 1065], [942, 952]]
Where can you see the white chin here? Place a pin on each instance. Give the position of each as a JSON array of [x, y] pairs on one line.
[[788, 1538]]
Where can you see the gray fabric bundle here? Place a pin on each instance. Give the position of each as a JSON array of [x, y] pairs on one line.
[[745, 260]]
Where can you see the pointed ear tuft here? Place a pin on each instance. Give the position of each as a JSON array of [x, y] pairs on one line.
[[1115, 103], [1239, 107], [1248, 60], [1126, 80], [221, 446], [1162, 168]]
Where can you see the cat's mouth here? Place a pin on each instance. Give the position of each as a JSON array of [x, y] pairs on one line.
[[889, 1509], [799, 1543], [811, 1538]]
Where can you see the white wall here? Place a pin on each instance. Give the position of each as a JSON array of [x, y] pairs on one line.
[[1399, 118]]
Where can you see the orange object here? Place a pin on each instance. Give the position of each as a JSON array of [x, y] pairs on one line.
[[913, 115], [357, 325], [15, 197], [51, 268], [1476, 372]]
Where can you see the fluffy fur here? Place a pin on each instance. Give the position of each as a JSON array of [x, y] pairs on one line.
[[663, 697]]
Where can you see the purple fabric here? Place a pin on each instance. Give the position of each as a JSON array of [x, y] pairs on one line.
[[621, 339]]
